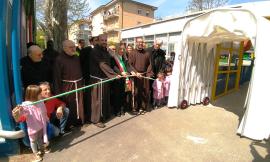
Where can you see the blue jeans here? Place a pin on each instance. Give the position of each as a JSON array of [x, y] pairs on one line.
[[60, 122]]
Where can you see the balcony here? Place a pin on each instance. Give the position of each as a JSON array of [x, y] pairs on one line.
[[111, 14], [90, 27], [113, 28], [82, 31], [113, 39]]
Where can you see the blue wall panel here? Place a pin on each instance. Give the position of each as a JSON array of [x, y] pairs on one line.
[[9, 146]]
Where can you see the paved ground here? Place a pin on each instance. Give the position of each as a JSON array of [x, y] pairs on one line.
[[197, 134]]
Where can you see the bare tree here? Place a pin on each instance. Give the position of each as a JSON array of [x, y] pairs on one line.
[[199, 5], [59, 22], [78, 9], [54, 17], [48, 16]]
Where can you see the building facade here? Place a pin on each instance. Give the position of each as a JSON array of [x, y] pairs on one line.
[[80, 30], [118, 14], [170, 30]]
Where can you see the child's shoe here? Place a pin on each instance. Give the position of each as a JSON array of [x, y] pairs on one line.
[[47, 150], [38, 158]]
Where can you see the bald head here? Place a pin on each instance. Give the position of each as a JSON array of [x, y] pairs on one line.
[[35, 53], [69, 47], [158, 43]]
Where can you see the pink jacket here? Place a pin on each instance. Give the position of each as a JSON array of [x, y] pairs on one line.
[[36, 118], [167, 84], [158, 87]]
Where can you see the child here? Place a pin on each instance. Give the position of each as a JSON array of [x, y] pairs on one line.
[[56, 109], [36, 118], [158, 88], [167, 83]]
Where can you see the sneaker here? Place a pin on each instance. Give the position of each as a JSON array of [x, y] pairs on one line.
[[118, 114], [47, 150], [63, 133], [67, 129], [142, 112], [38, 158], [100, 125], [40, 153], [122, 113], [133, 112]]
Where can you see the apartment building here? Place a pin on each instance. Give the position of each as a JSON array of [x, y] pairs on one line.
[[80, 30], [118, 14]]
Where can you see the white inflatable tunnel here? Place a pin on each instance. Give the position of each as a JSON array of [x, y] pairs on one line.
[[193, 71]]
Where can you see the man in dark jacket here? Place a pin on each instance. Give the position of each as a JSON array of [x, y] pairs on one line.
[[157, 57], [157, 60], [50, 53], [81, 45], [34, 68]]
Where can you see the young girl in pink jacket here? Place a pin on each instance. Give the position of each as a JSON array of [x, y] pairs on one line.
[[158, 88], [36, 119], [167, 83]]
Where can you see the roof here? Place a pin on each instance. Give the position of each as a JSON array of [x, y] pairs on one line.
[[170, 19], [264, 5], [115, 1], [153, 7], [97, 9]]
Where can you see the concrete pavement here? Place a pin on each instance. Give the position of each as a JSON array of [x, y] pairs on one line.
[[197, 134]]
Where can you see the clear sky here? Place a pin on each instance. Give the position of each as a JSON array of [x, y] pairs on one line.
[[165, 7]]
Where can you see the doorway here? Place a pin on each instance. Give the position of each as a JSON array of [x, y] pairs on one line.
[[228, 64]]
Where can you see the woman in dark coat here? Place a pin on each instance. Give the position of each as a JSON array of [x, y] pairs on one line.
[[121, 88]]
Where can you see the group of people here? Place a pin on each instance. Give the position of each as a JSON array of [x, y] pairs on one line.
[[140, 78]]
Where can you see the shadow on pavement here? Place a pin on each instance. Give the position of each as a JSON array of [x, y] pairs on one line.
[[4, 158], [234, 102], [256, 155], [61, 143], [65, 141]]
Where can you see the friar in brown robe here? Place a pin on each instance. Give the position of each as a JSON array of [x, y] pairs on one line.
[[139, 60], [67, 77], [100, 69]]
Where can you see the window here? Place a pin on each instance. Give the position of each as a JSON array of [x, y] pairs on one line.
[[147, 13], [81, 26], [130, 41], [171, 48], [149, 40], [139, 11]]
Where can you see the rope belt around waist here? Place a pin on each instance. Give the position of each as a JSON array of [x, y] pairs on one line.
[[82, 88], [77, 95]]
